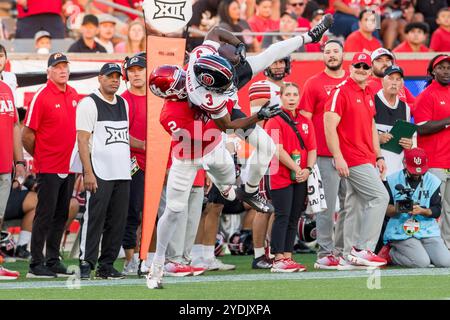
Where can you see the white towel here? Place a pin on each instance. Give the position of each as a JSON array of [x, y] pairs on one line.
[[316, 194]]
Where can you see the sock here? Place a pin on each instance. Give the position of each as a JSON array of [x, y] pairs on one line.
[[259, 252], [250, 189], [136, 256], [307, 38], [209, 252], [197, 252], [271, 256], [24, 238], [149, 260], [229, 194]]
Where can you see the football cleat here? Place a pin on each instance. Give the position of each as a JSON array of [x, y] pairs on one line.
[[317, 32], [154, 277], [254, 200]]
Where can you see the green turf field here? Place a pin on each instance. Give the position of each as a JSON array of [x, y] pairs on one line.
[[245, 283]]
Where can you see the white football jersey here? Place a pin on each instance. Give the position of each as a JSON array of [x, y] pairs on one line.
[[264, 89], [213, 103]]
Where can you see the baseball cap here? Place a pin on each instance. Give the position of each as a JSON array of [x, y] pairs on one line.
[[393, 69], [361, 57], [416, 161], [106, 18], [136, 60], [41, 34], [290, 14], [56, 58], [90, 18], [381, 52], [109, 68], [440, 59]]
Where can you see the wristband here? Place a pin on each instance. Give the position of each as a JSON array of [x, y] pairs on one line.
[[309, 169], [380, 158], [22, 162]]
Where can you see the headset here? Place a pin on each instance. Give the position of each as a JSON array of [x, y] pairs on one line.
[[126, 62]]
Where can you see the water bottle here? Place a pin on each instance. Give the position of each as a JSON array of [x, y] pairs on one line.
[[296, 156]]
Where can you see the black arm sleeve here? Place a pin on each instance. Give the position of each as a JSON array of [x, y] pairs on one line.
[[435, 204], [391, 197]]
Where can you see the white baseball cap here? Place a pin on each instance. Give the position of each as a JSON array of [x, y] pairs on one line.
[[381, 52]]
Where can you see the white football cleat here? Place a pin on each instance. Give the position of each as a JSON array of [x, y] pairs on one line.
[[154, 277]]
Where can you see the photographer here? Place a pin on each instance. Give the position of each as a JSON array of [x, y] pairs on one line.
[[415, 203]]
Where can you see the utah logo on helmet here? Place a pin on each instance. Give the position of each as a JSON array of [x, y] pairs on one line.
[[7, 244], [214, 72]]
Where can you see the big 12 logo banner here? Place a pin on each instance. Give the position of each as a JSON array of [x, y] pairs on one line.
[[167, 16]]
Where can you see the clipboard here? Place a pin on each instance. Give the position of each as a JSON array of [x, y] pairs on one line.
[[401, 129]]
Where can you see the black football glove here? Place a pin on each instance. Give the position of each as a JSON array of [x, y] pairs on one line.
[[241, 51], [267, 112]]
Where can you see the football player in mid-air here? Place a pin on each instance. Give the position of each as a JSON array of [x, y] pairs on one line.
[[214, 92]]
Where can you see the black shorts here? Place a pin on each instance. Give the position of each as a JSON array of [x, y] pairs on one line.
[[230, 207], [14, 210]]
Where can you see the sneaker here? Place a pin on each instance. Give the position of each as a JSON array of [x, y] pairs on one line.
[[130, 267], [201, 263], [262, 262], [85, 270], [299, 266], [40, 271], [196, 271], [109, 273], [254, 200], [366, 258], [284, 266], [154, 277], [384, 253], [175, 269], [345, 265], [317, 32], [6, 274], [301, 247], [143, 270], [329, 262], [59, 269], [216, 264], [21, 253]]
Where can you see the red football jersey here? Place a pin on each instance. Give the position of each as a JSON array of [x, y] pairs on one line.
[[8, 117]]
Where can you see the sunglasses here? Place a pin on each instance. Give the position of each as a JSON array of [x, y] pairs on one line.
[[297, 4], [363, 65]]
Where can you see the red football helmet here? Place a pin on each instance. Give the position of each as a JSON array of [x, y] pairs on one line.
[[168, 82]]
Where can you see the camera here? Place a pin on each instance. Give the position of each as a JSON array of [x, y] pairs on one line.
[[407, 204]]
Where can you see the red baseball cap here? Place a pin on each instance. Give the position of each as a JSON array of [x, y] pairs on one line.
[[362, 57], [440, 59], [416, 161]]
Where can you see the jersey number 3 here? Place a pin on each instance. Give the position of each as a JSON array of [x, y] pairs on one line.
[[209, 101]]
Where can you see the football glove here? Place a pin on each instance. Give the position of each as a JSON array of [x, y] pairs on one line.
[[267, 112], [241, 51]]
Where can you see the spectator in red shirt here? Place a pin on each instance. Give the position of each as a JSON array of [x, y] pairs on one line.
[[440, 40], [298, 7], [135, 74], [432, 114], [288, 176], [35, 15], [363, 39], [263, 20], [416, 35], [288, 24], [49, 137], [315, 93], [352, 139]]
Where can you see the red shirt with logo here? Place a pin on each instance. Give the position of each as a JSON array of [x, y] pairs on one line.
[[433, 104], [52, 115], [8, 118], [193, 133], [356, 108], [138, 123], [39, 7], [440, 40], [315, 93], [375, 84], [405, 47], [282, 133], [356, 42]]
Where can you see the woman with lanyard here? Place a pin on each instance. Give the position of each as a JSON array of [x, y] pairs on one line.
[[296, 151]]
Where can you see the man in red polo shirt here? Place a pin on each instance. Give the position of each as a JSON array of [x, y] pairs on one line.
[[432, 114], [440, 41], [363, 39], [382, 59], [315, 93], [49, 137], [10, 148], [352, 139], [36, 15]]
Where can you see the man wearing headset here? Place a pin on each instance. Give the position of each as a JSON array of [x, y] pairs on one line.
[[134, 73]]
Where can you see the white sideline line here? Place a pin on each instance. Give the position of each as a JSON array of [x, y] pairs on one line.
[[229, 278]]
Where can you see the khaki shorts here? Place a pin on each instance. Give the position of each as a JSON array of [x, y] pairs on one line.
[[5, 187]]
